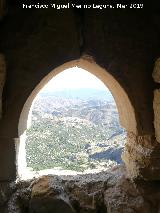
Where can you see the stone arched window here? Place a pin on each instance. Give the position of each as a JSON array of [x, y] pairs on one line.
[[125, 109]]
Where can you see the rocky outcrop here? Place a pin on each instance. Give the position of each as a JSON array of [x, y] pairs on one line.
[[111, 191]]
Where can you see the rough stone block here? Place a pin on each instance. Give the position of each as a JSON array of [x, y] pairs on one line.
[[5, 192], [156, 107], [141, 156], [125, 196], [156, 71], [109, 191], [49, 197], [7, 159]]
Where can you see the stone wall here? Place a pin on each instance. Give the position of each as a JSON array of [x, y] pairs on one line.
[[2, 79], [37, 45], [123, 42], [3, 8], [156, 103]]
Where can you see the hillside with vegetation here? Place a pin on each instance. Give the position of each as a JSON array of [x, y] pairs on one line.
[[74, 130]]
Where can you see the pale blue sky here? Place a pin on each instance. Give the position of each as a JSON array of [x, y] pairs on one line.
[[74, 78]]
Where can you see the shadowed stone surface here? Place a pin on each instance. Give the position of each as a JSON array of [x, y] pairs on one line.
[[123, 42], [111, 191], [156, 106], [37, 41], [2, 79], [156, 71], [142, 156]]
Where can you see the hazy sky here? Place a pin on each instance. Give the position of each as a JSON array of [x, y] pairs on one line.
[[74, 78]]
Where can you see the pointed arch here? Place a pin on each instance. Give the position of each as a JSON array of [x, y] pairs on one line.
[[126, 111]]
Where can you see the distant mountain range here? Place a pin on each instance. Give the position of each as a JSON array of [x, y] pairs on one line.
[[83, 94]]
